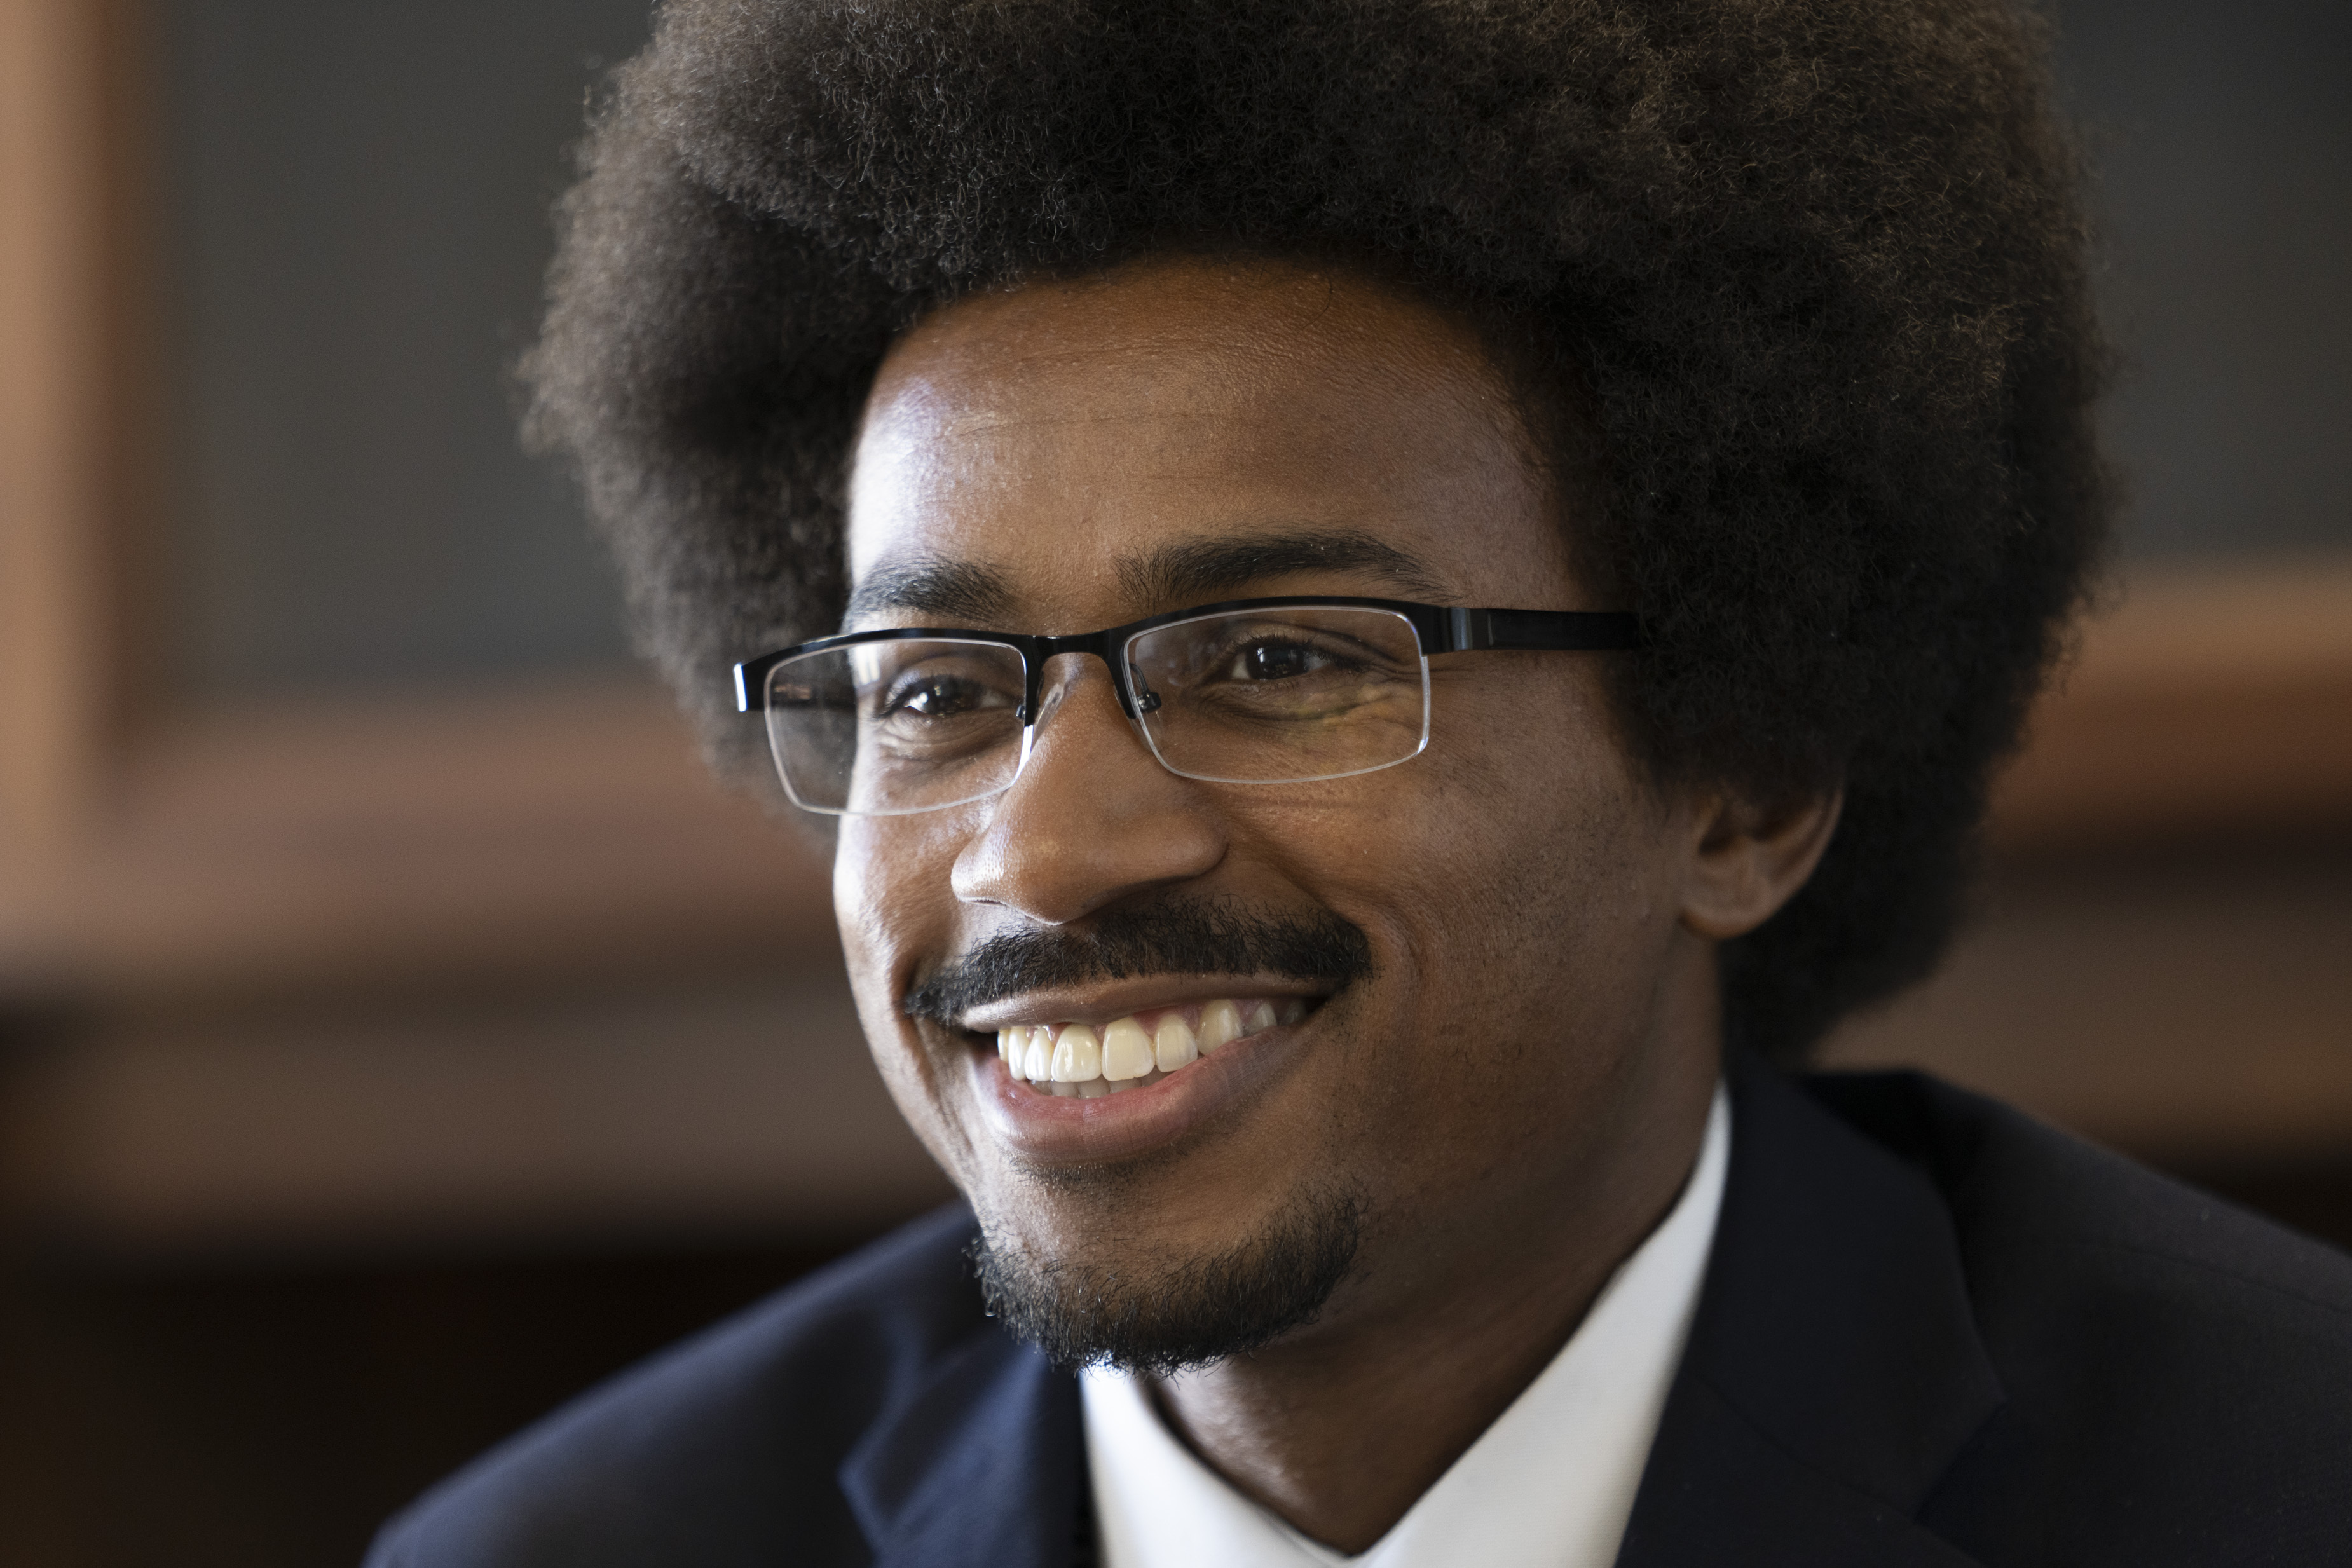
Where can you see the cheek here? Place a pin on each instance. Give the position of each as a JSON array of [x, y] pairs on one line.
[[864, 908], [893, 906], [892, 897], [1514, 890]]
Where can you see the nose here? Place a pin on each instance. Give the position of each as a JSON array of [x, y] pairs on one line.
[[1093, 818]]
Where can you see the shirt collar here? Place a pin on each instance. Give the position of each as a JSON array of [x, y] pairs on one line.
[[1552, 1482]]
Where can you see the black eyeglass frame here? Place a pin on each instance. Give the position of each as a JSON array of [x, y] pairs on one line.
[[1440, 629]]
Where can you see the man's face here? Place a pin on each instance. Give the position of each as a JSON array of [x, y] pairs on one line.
[[1488, 928]]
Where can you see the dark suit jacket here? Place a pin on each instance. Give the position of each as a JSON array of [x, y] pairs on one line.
[[1933, 1332]]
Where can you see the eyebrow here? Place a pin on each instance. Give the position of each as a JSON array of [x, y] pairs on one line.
[[1189, 571], [960, 590], [1169, 576]]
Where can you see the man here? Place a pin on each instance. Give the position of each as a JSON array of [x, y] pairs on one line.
[[1385, 599]]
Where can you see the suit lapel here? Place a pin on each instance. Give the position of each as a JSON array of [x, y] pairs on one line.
[[982, 1468], [1834, 1371]]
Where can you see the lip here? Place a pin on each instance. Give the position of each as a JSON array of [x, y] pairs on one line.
[[1056, 1130], [1098, 1005]]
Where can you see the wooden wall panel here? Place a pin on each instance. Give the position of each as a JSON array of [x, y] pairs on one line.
[[54, 408]]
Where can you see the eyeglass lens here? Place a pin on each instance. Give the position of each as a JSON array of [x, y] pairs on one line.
[[1270, 695]]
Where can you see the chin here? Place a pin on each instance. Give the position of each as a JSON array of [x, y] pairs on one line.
[[1155, 1308]]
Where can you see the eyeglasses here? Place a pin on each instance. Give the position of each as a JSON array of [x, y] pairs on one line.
[[1250, 691]]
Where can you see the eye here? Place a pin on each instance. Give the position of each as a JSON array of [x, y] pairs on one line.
[[939, 694], [1269, 658]]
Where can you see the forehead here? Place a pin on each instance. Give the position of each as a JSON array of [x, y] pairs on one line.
[[1057, 438]]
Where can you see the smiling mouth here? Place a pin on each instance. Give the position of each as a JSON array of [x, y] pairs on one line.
[[1083, 1061]]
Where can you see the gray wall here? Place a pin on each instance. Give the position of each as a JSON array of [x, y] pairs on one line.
[[358, 193], [2222, 136]]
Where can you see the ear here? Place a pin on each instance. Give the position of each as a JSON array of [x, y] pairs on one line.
[[1747, 860]]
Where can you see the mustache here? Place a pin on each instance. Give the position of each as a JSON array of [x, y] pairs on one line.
[[1175, 936]]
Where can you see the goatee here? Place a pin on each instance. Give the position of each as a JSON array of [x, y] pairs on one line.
[[1158, 1317]]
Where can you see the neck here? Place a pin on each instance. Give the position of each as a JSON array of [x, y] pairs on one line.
[[1340, 1428]]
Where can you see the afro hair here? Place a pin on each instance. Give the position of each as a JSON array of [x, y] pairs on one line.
[[1810, 273]]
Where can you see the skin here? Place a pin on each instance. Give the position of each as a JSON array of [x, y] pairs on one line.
[[1519, 1090]]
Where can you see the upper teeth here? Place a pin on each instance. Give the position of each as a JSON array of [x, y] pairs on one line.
[[1075, 1059]]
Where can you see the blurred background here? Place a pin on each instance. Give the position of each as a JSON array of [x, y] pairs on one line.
[[397, 1032]]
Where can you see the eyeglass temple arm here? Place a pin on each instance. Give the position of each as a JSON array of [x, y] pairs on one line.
[[1547, 629]]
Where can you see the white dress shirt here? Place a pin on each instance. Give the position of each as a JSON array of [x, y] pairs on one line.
[[1549, 1484]]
